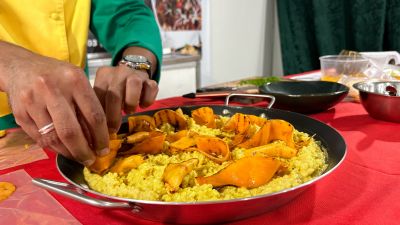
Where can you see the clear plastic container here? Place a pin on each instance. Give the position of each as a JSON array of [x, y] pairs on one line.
[[336, 67]]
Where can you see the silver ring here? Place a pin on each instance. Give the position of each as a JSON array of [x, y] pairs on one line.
[[46, 129]]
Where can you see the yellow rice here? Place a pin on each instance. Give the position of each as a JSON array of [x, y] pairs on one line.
[[146, 183]]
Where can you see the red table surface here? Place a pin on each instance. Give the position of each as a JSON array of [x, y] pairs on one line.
[[363, 190]]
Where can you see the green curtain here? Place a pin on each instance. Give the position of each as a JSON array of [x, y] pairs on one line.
[[312, 28]]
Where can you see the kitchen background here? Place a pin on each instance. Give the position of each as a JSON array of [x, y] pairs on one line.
[[207, 42], [231, 42]]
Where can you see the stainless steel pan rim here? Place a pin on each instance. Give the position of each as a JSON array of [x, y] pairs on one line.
[[87, 189]]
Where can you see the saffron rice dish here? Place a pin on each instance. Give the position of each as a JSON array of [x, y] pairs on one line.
[[175, 157]]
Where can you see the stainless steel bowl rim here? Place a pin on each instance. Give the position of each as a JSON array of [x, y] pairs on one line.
[[358, 87]]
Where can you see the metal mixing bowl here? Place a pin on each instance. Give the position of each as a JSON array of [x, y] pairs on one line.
[[381, 99]]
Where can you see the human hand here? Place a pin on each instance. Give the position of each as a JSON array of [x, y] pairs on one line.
[[42, 91], [123, 88]]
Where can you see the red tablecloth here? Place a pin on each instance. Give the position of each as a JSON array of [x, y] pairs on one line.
[[363, 190]]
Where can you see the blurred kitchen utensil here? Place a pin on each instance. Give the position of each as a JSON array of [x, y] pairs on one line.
[[213, 89]]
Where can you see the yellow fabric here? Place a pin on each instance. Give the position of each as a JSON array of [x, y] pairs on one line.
[[4, 108], [54, 28]]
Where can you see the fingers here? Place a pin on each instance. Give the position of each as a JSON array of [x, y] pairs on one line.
[[27, 124], [113, 102], [85, 128], [134, 87], [22, 117], [91, 117], [149, 93], [123, 88], [139, 91], [66, 124], [36, 118], [51, 141], [104, 77], [40, 116]]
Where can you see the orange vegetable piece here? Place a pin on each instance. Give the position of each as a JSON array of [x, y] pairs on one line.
[[137, 137], [272, 130], [124, 165], [282, 130], [102, 163], [6, 190], [121, 136], [175, 172], [248, 172], [141, 123], [183, 143], [204, 116], [176, 136], [238, 123], [113, 136], [173, 118], [240, 138], [214, 148], [179, 111], [154, 144], [261, 137], [237, 139], [256, 120], [275, 149]]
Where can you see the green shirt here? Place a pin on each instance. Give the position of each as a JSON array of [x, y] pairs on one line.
[[119, 24]]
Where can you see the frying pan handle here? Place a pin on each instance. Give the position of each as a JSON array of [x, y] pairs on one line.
[[272, 98], [75, 193]]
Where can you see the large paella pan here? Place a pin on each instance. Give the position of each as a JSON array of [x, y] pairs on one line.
[[212, 211]]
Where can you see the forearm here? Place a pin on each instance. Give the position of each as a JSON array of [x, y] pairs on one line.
[[10, 54]]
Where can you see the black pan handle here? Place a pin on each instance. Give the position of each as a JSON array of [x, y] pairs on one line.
[[73, 192], [271, 102]]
